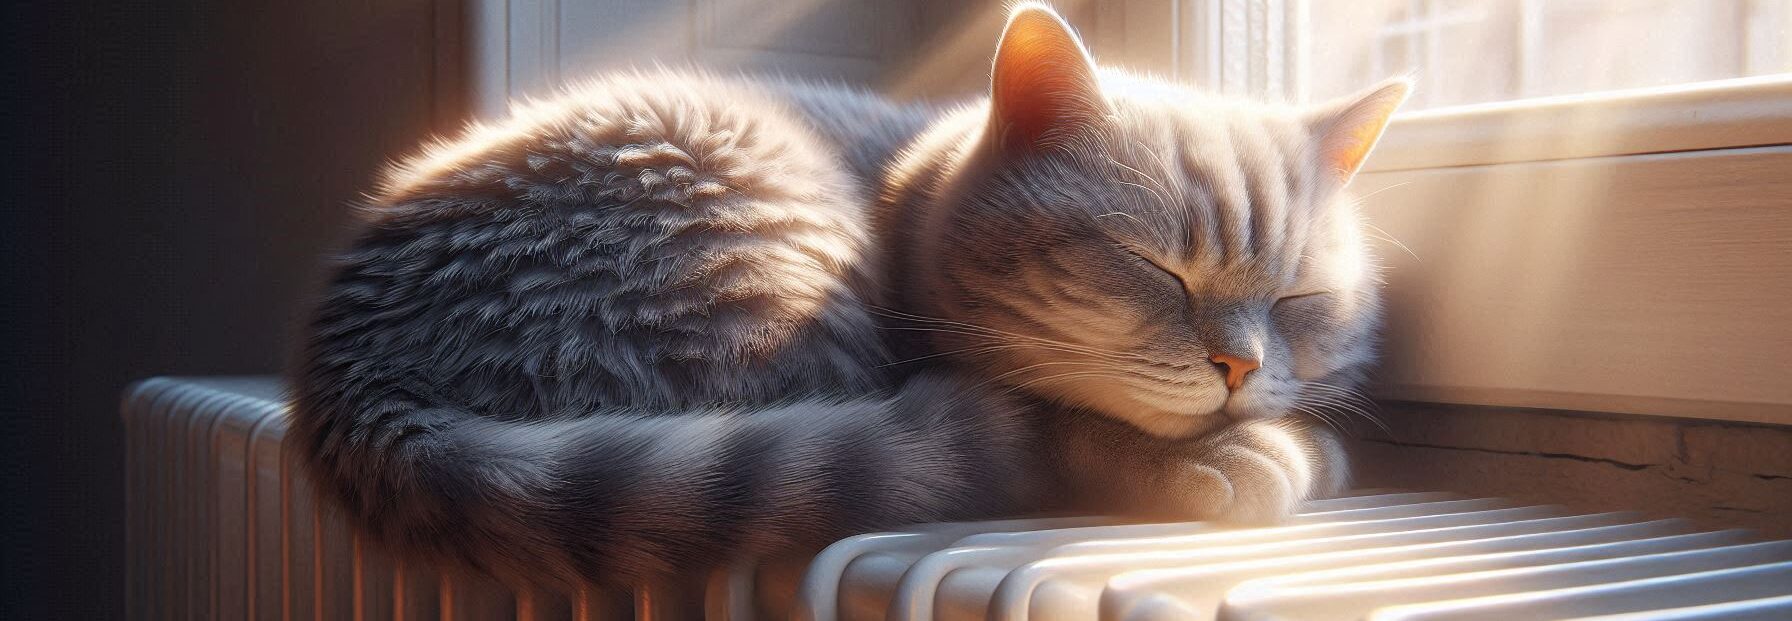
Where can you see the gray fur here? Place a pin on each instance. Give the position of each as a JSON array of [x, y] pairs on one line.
[[1093, 238], [489, 375], [657, 324]]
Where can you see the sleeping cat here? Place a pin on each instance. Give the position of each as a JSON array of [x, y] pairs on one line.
[[672, 319]]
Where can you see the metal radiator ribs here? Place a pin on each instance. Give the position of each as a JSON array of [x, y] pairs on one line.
[[1378, 556], [220, 525]]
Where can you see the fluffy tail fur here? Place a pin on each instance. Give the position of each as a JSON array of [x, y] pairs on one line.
[[626, 499]]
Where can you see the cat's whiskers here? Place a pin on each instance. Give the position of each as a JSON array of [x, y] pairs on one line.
[[1330, 410], [1039, 365], [1352, 393], [1320, 415], [1092, 351], [1163, 166], [1390, 240], [1162, 198], [1380, 233], [1153, 192], [1343, 400], [1064, 376], [1011, 388], [1120, 213], [973, 351], [1049, 346], [1360, 199]]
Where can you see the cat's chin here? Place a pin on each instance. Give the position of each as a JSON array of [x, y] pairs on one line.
[[1160, 412], [1178, 417], [1186, 417], [1246, 405], [1181, 418], [1176, 426]]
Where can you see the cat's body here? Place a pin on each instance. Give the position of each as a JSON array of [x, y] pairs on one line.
[[660, 323], [632, 252]]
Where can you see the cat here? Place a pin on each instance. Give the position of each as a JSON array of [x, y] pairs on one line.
[[1134, 251], [671, 319]]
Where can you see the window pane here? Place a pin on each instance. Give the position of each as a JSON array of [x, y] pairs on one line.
[[1473, 51]]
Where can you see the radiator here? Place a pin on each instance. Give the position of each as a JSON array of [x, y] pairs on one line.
[[220, 525]]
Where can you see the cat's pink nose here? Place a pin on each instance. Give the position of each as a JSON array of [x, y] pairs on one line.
[[1236, 368]]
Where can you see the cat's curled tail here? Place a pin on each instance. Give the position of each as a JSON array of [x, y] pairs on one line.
[[623, 499], [516, 364]]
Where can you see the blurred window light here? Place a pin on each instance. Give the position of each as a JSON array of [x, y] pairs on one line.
[[1477, 51]]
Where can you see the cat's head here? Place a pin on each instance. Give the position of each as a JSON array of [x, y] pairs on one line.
[[1166, 257]]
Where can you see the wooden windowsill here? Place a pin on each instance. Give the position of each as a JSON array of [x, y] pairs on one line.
[[1723, 114]]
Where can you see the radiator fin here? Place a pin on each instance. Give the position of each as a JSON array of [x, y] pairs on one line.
[[221, 525]]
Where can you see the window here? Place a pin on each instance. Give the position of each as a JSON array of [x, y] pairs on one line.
[[1476, 51]]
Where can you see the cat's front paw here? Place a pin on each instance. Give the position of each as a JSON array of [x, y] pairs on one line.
[[1234, 484], [1255, 473]]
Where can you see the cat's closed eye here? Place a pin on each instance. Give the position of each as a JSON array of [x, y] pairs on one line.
[[1309, 296], [1302, 306], [1147, 263]]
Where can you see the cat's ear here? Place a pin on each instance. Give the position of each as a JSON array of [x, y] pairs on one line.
[[1346, 129], [1043, 85]]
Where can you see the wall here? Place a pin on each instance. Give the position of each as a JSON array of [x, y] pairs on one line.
[[185, 164], [1722, 474]]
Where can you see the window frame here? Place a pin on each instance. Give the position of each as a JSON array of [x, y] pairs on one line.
[[1721, 114]]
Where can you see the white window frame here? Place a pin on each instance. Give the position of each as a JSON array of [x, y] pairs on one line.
[[1626, 252], [1237, 47], [527, 48]]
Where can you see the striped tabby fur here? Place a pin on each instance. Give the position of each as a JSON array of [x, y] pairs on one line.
[[669, 320]]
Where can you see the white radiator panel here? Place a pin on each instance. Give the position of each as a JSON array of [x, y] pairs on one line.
[[221, 525]]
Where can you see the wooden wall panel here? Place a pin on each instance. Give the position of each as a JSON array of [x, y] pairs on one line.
[[1649, 284], [1720, 473]]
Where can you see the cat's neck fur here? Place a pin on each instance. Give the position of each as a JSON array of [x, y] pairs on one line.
[[906, 217], [866, 131]]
